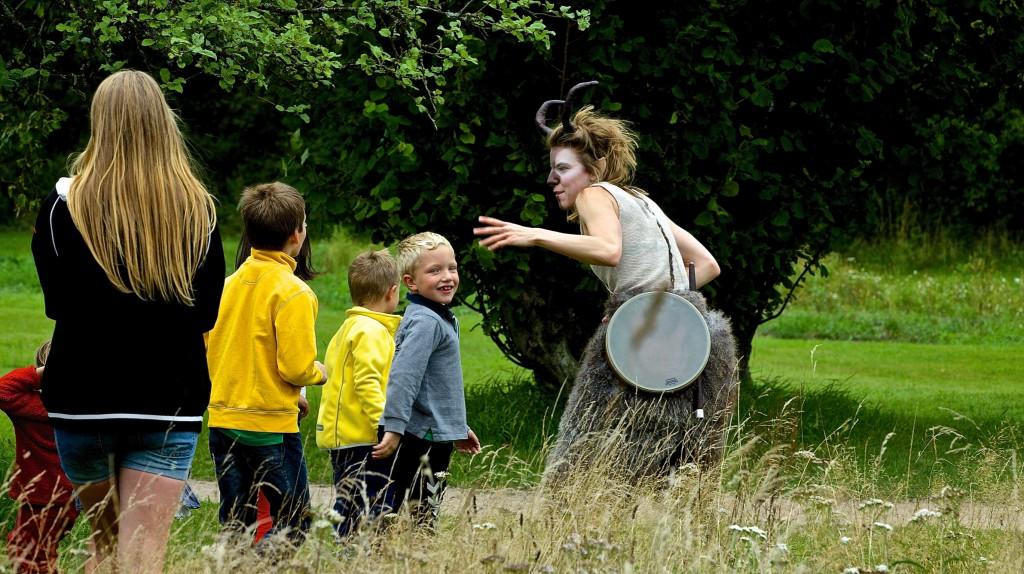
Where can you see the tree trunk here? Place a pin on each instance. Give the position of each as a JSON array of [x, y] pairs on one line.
[[744, 332]]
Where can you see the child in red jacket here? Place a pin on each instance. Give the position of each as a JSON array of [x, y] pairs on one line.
[[46, 510]]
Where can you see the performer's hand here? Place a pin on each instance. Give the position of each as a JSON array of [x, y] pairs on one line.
[[468, 445], [504, 234], [303, 407], [388, 445], [323, 372]]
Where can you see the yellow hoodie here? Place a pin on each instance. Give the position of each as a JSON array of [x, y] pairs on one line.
[[263, 347], [358, 360]]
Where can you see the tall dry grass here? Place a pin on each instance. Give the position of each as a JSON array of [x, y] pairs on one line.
[[768, 507]]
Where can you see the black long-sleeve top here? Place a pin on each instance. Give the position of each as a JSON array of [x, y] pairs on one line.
[[117, 361]]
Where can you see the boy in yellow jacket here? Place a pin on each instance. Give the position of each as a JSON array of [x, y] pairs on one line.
[[358, 360], [261, 352]]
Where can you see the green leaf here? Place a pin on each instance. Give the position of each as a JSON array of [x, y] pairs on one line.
[[730, 189], [824, 45], [148, 42], [761, 97]]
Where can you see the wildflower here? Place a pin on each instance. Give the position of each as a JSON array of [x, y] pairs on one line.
[[321, 524], [821, 501], [874, 502], [852, 570], [781, 547], [441, 475], [484, 526], [924, 514], [882, 568], [844, 539], [883, 526], [808, 456], [334, 517], [749, 530]]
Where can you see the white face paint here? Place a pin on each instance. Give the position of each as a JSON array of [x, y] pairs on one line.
[[568, 177]]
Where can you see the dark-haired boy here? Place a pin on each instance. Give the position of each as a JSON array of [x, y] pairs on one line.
[[261, 352]]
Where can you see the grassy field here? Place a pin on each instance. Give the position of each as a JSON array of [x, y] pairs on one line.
[[887, 388], [914, 380]]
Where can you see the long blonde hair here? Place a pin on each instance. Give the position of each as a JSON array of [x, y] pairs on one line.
[[144, 215]]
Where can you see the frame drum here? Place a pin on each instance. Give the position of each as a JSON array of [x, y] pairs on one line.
[[658, 342]]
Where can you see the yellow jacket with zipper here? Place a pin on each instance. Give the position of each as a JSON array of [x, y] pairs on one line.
[[358, 360], [263, 347]]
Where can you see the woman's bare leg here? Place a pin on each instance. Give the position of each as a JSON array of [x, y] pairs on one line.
[[148, 505], [100, 505]]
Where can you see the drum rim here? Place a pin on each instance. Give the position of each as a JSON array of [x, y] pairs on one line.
[[627, 380]]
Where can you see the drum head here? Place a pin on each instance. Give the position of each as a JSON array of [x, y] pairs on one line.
[[658, 342]]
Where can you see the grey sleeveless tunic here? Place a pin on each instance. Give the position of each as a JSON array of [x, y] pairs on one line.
[[644, 264]]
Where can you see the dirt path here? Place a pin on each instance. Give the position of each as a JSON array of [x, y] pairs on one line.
[[972, 515], [503, 499]]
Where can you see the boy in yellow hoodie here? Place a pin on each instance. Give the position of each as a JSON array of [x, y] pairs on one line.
[[261, 352], [358, 360]]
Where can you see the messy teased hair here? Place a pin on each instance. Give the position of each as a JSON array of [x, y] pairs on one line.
[[410, 249], [144, 215], [271, 212], [597, 137], [371, 275]]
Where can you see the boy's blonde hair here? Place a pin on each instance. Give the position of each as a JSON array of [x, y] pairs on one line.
[[371, 275], [271, 212], [144, 215], [43, 353], [410, 249]]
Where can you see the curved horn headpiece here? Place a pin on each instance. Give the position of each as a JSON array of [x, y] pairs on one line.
[[542, 115], [566, 106]]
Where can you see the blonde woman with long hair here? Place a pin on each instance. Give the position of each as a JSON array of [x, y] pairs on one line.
[[132, 268]]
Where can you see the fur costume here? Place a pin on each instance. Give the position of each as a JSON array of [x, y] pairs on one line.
[[607, 422]]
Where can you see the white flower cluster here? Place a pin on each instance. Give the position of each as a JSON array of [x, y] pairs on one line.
[[874, 502], [925, 514], [883, 526], [484, 526]]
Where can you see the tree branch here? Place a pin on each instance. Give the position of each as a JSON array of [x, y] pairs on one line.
[[792, 290]]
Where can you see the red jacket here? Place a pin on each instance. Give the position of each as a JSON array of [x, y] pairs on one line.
[[38, 478]]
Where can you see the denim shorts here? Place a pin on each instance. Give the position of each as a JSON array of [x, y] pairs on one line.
[[95, 456]]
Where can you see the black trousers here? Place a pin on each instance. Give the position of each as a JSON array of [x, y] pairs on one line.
[[418, 475]]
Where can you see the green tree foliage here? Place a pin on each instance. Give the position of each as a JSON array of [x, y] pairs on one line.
[[773, 135], [286, 52], [773, 132]]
